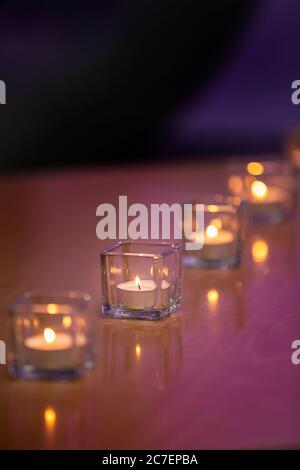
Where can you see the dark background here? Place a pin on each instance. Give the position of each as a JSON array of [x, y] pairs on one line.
[[135, 81]]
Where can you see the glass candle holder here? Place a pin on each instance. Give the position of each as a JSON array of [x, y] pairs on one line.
[[220, 236], [51, 336], [266, 187], [269, 191], [141, 280]]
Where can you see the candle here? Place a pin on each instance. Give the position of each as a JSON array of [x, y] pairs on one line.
[[139, 294], [52, 350], [269, 195], [51, 341], [218, 243], [268, 201]]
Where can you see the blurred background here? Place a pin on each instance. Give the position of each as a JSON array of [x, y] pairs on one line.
[[127, 81]]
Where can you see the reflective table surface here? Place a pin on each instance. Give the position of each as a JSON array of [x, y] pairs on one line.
[[216, 374]]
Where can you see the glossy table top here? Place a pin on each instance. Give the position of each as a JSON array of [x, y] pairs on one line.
[[217, 374]]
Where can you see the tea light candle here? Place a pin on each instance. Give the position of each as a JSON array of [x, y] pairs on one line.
[[139, 294], [51, 349], [51, 341], [263, 195], [265, 201], [218, 243]]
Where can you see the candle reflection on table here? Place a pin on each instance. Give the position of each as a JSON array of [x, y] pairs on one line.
[[260, 251], [128, 348]]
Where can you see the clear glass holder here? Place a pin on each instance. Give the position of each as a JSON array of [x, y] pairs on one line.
[[220, 236], [266, 187], [51, 335], [141, 280]]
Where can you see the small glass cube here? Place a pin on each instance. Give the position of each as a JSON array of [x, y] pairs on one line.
[[51, 335], [220, 235], [266, 187], [270, 192], [141, 280]]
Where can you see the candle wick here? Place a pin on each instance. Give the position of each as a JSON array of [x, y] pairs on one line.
[[139, 286]]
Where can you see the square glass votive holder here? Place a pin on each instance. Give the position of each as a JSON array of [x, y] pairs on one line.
[[141, 280], [51, 336], [221, 234], [269, 189], [265, 187]]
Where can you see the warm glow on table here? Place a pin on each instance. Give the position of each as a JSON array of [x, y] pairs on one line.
[[260, 251], [212, 296]]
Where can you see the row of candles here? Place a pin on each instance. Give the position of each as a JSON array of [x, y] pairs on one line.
[[52, 336]]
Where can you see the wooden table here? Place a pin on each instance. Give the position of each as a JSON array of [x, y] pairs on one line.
[[217, 374]]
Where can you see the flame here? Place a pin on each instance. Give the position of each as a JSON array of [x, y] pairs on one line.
[[52, 308], [49, 335], [260, 251], [259, 189], [255, 168], [138, 282], [211, 231]]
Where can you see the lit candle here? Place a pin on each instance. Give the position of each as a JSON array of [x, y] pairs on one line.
[[268, 195], [218, 243], [139, 294], [51, 341], [51, 349], [268, 201]]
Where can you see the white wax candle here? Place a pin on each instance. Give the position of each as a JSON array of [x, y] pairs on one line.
[[61, 342], [54, 351], [139, 294], [222, 237], [218, 244]]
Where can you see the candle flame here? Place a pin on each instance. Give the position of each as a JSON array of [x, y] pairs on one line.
[[138, 282], [259, 189], [49, 335], [211, 231], [255, 168]]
